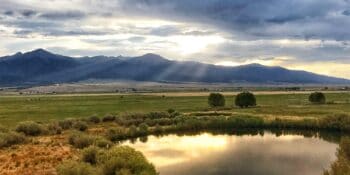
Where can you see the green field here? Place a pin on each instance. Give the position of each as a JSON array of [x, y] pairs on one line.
[[14, 109]]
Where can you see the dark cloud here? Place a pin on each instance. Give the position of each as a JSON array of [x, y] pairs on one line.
[[63, 15], [28, 13], [165, 31], [346, 12], [271, 18], [8, 13]]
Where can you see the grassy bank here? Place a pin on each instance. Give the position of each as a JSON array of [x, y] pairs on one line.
[[90, 139], [14, 109]]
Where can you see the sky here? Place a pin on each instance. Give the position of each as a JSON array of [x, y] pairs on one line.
[[312, 35]]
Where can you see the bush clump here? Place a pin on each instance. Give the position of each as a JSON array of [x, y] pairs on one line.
[[124, 159], [89, 155], [80, 125], [336, 122], [341, 165], [66, 123], [119, 160], [3, 129], [132, 131], [11, 138], [94, 119], [103, 143], [245, 99], [108, 118], [54, 128], [158, 129], [170, 110], [317, 98], [30, 128], [143, 129], [80, 140], [76, 168], [116, 134], [216, 100]]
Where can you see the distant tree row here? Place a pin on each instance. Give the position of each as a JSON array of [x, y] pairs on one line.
[[247, 99], [243, 100]]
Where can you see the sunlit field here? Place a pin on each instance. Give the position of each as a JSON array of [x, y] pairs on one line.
[[14, 109]]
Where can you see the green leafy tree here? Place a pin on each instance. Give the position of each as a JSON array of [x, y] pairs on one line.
[[317, 98], [245, 99], [216, 100]]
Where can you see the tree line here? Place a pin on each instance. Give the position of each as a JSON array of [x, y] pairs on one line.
[[247, 99]]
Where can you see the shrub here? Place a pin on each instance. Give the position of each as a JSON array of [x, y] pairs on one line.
[[94, 119], [245, 99], [30, 128], [118, 160], [132, 131], [54, 128], [143, 129], [163, 121], [116, 134], [158, 129], [108, 118], [341, 165], [89, 155], [81, 126], [3, 129], [76, 168], [174, 114], [336, 122], [345, 147], [11, 138], [157, 115], [66, 123], [216, 100], [170, 110], [317, 98], [103, 143], [80, 140], [150, 122], [124, 159]]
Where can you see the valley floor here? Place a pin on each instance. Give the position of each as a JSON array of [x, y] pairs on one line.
[[42, 108]]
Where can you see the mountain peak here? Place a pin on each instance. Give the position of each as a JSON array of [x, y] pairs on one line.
[[40, 51], [151, 57], [255, 65], [18, 54]]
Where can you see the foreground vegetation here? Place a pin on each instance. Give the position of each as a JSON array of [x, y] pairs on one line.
[[96, 139], [342, 165], [14, 109], [117, 160]]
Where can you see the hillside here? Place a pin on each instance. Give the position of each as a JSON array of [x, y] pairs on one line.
[[42, 67]]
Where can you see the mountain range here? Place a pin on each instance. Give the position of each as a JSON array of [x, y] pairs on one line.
[[40, 67]]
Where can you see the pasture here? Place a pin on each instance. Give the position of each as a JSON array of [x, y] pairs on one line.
[[43, 108]]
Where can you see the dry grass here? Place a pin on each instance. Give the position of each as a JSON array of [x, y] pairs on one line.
[[40, 157]]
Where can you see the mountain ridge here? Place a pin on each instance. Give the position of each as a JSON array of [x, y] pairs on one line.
[[40, 67]]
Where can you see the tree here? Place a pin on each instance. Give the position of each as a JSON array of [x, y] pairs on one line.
[[245, 99], [216, 100], [317, 98]]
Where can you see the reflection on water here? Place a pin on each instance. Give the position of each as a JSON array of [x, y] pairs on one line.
[[207, 154]]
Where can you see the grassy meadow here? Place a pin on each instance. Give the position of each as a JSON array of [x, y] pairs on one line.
[[14, 109]]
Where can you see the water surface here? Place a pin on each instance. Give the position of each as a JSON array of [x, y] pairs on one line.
[[266, 154]]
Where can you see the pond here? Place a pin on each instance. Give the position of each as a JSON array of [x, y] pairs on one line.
[[244, 154]]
